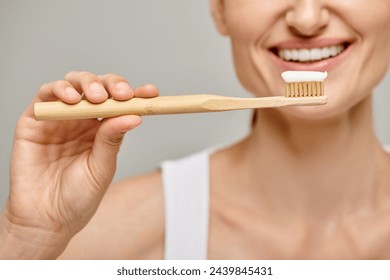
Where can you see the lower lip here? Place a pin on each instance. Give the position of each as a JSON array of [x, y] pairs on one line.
[[321, 65]]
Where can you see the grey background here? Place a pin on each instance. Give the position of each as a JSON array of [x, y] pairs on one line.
[[171, 43]]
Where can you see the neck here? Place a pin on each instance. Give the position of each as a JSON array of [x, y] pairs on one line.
[[318, 169]]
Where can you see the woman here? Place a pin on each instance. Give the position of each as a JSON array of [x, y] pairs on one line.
[[308, 182]]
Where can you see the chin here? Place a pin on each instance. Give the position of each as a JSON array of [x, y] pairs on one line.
[[337, 107], [311, 113]]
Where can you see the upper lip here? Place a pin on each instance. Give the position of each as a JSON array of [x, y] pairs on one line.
[[310, 43]]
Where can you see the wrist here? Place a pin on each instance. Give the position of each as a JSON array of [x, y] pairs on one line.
[[20, 242]]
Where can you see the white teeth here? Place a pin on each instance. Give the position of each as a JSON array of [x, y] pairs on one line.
[[294, 55], [304, 55], [315, 54], [287, 55], [333, 51], [325, 52]]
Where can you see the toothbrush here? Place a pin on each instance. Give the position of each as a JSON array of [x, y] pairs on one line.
[[302, 88]]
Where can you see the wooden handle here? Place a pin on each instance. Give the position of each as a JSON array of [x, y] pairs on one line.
[[164, 105], [111, 108]]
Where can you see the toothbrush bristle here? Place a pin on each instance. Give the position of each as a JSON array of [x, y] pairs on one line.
[[304, 89]]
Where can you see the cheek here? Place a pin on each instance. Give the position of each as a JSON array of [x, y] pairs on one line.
[[249, 24], [370, 20], [243, 23], [373, 26], [248, 20], [380, 31]]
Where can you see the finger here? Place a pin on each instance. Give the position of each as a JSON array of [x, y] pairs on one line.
[[58, 90], [89, 84], [146, 91], [107, 143], [117, 87]]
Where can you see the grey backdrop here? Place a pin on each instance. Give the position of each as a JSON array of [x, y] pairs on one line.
[[171, 43]]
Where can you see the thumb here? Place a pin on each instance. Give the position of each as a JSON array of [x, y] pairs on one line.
[[106, 146]]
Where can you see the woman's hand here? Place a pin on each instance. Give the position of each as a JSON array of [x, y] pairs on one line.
[[60, 170]]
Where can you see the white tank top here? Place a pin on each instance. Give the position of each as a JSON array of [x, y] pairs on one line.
[[186, 199]]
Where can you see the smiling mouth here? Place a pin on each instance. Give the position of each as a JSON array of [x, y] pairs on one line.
[[308, 55]]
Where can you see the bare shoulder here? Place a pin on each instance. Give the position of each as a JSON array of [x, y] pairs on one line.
[[129, 223]]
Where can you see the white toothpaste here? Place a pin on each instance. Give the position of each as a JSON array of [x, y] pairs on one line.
[[304, 76]]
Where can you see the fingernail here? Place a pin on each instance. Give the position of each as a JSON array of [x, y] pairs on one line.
[[98, 89], [123, 87], [71, 92]]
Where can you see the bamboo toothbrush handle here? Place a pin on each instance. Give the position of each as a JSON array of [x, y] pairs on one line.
[[164, 105], [58, 110]]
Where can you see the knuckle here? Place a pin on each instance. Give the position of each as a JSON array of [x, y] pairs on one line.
[[111, 76], [114, 78], [80, 75], [44, 87], [115, 141], [85, 75], [60, 84], [70, 74]]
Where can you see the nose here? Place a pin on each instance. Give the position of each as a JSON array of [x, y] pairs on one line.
[[307, 17]]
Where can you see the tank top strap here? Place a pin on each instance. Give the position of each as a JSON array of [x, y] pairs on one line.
[[186, 200]]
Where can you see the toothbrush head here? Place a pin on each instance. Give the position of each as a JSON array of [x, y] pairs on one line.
[[304, 83]]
